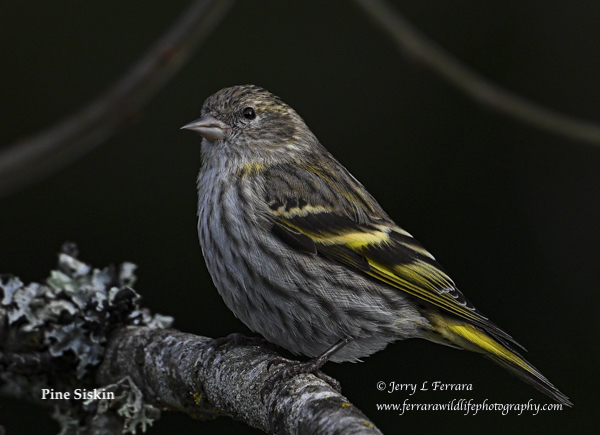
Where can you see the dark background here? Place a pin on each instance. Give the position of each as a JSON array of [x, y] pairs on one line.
[[510, 211]]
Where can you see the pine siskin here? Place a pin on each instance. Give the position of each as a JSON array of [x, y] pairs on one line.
[[305, 256]]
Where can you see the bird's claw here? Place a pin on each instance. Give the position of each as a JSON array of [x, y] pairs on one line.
[[237, 339]]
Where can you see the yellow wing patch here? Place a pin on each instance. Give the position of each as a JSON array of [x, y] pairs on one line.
[[354, 240]]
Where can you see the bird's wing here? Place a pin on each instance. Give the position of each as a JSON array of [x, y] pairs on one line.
[[344, 223], [341, 221]]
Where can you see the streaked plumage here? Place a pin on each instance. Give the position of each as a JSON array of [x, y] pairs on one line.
[[305, 256]]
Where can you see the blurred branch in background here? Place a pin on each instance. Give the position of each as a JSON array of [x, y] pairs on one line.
[[417, 45], [34, 158]]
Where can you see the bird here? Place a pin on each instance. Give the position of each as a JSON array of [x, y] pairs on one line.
[[304, 255]]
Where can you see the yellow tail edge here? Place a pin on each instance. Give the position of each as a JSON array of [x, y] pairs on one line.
[[469, 337]]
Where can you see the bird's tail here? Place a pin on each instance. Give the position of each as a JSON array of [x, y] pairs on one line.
[[466, 336]]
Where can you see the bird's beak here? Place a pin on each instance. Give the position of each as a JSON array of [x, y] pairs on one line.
[[208, 127]]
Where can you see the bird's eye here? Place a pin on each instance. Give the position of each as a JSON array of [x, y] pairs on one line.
[[249, 113]]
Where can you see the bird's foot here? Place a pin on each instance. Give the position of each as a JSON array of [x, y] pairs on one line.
[[293, 368], [237, 339]]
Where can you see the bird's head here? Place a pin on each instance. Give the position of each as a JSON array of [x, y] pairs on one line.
[[250, 125]]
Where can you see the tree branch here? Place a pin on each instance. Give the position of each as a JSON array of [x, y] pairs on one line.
[[414, 43], [83, 332], [34, 158], [183, 372]]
